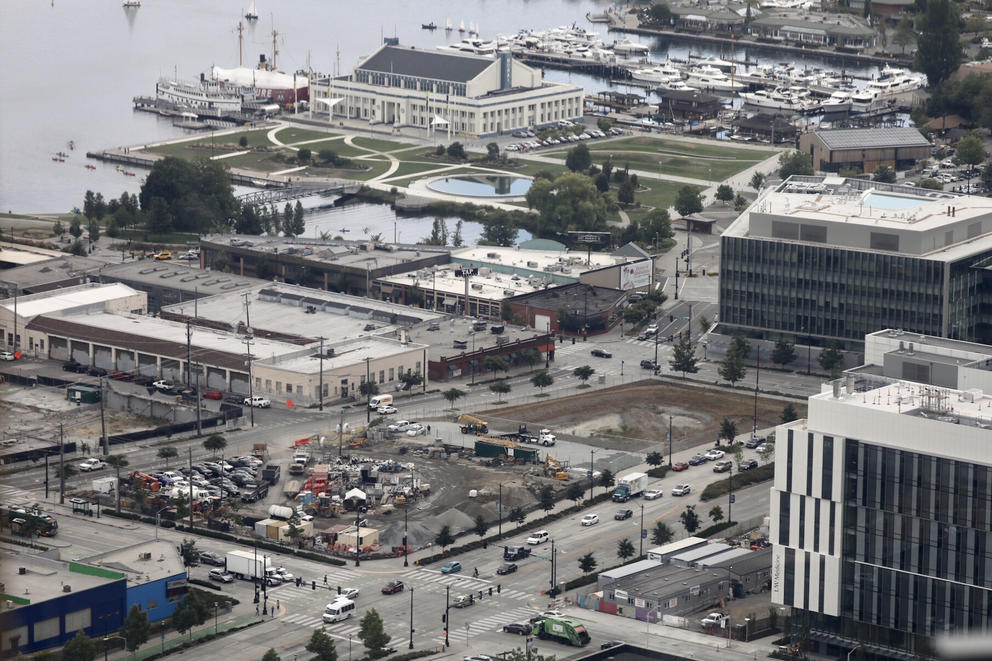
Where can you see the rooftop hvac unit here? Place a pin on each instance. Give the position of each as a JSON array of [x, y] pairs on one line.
[[485, 271], [492, 255], [477, 286], [509, 292], [532, 265], [66, 588]]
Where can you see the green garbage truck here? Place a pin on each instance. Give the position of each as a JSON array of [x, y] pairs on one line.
[[562, 630]]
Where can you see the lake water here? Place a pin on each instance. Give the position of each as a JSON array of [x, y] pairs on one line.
[[71, 68]]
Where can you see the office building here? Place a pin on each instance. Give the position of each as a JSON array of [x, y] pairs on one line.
[[834, 259]]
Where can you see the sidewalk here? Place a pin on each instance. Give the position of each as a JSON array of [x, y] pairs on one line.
[[172, 640]]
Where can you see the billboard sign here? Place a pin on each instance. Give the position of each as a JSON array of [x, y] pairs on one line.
[[635, 275]]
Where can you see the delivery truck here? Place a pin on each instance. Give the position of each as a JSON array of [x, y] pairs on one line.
[[247, 564], [630, 485]]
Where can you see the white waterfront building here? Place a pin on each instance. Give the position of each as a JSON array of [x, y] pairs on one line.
[[451, 93]]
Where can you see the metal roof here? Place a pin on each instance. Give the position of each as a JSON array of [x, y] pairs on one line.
[[879, 138], [426, 64]]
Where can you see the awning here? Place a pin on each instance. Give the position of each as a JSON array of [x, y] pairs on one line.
[[330, 103], [439, 121]]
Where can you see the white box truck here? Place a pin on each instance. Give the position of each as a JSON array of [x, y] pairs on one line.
[[247, 564], [630, 485]]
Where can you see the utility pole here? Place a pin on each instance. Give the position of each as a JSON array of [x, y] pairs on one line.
[[46, 475], [199, 384], [247, 315], [61, 465], [592, 471], [320, 386], [189, 348], [499, 510], [447, 595], [411, 618], [103, 423], [656, 350], [641, 552], [368, 389], [757, 375], [190, 450], [251, 392], [340, 432], [669, 441], [553, 567], [406, 555]]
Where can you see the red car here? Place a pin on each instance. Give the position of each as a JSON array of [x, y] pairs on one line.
[[679, 466], [117, 375], [213, 394], [392, 587]]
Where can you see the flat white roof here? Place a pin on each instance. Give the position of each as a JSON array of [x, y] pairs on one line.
[[494, 287], [60, 300], [345, 354], [678, 545], [535, 260], [972, 408]]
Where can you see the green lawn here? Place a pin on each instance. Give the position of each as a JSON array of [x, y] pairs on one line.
[[380, 145], [294, 134], [530, 168], [410, 169], [662, 193], [378, 167], [703, 149]]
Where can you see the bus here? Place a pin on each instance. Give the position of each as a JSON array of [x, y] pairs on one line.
[[26, 521]]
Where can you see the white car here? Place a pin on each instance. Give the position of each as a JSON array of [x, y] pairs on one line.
[[399, 426], [538, 537], [416, 429], [651, 330], [92, 464], [714, 454], [652, 494], [347, 593], [6, 355], [681, 490], [590, 519], [284, 574], [162, 384], [386, 410], [257, 401]]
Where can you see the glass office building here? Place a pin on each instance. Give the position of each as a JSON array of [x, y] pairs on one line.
[[829, 258]]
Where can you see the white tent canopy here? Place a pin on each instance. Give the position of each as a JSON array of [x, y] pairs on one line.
[[355, 494]]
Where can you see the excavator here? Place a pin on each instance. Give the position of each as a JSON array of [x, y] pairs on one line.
[[472, 425], [554, 468]]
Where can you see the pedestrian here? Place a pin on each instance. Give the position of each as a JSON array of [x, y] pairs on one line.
[[277, 603], [428, 429], [256, 609], [325, 579]]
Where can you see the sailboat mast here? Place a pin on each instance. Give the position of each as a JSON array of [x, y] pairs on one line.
[[241, 48], [275, 51]]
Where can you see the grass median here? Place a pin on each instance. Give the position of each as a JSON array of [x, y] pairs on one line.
[[741, 480]]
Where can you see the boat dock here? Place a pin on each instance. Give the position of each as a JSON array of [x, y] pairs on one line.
[[567, 63]]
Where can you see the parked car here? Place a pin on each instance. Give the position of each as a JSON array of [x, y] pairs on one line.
[[754, 442], [601, 353], [96, 371], [73, 366], [748, 464], [715, 454], [520, 628], [220, 575], [211, 558], [515, 552], [416, 429], [652, 329], [165, 254], [649, 365], [392, 587], [506, 568], [761, 448], [722, 466], [623, 514], [213, 394], [681, 490], [714, 619], [653, 494], [611, 643], [399, 426], [680, 466], [386, 410], [452, 567], [92, 464], [590, 520], [257, 401], [6, 355], [162, 384], [697, 460]]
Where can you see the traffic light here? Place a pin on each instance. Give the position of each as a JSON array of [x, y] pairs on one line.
[[671, 317], [490, 590], [339, 589], [498, 588], [313, 585], [444, 619]]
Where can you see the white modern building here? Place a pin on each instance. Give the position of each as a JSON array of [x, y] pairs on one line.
[[453, 93]]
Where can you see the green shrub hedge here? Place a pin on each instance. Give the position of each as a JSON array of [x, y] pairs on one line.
[[741, 480], [658, 471], [714, 529]]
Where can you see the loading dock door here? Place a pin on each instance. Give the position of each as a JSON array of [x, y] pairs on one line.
[[125, 361], [81, 352], [103, 357], [239, 383], [542, 323]]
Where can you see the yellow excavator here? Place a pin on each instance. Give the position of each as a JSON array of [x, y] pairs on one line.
[[472, 425], [554, 468]]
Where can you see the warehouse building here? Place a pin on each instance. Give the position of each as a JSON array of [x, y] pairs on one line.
[[155, 575], [454, 93], [576, 309], [49, 273], [864, 150], [166, 283], [825, 258]]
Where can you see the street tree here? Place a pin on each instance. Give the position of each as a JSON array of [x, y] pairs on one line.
[[411, 379], [481, 526], [690, 520], [583, 373], [271, 655], [884, 174], [444, 537], [168, 452], [655, 459], [728, 430], [938, 44], [80, 648], [684, 357], [661, 533], [578, 158], [75, 228], [970, 151], [452, 395], [757, 181], [499, 231], [576, 492], [322, 646], [500, 387], [831, 359], [767, 452], [368, 389], [788, 413], [58, 229], [215, 443], [732, 368], [373, 634], [93, 230], [495, 364], [740, 346], [625, 549], [794, 162], [784, 352], [118, 461], [546, 498], [492, 151], [569, 203], [688, 201], [716, 513], [587, 563], [542, 380], [299, 222], [517, 515], [724, 193], [737, 452], [189, 554], [189, 612], [704, 323], [530, 357], [606, 478], [136, 628], [457, 240]]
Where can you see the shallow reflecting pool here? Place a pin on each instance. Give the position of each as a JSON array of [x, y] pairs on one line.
[[482, 185]]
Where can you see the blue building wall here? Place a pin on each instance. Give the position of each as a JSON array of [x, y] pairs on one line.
[[106, 604], [152, 598]]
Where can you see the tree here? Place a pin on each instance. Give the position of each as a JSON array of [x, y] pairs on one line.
[[322, 646], [831, 358], [197, 195], [271, 655], [542, 380], [970, 151], [784, 352], [495, 364], [737, 451], [287, 218], [740, 203], [704, 323], [66, 470], [794, 162], [167, 453], [215, 443], [118, 461], [583, 373], [767, 453], [728, 430], [93, 229], [531, 357], [75, 228], [368, 389], [188, 552], [189, 612], [655, 459], [587, 563], [625, 195], [578, 158], [724, 193], [373, 634], [546, 498], [661, 533], [500, 387], [788, 413], [411, 379], [517, 515], [732, 368], [938, 45], [80, 648], [602, 182], [569, 203], [499, 231], [625, 549], [480, 526], [687, 201], [576, 491], [716, 513], [884, 174], [58, 229], [299, 222], [89, 205], [604, 124], [933, 184], [904, 33], [304, 155], [684, 357], [457, 240], [690, 520], [453, 394], [158, 218], [444, 538], [136, 628], [757, 181], [492, 151], [457, 151], [606, 478]]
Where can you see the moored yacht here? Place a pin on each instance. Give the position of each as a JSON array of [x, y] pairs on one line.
[[711, 78]]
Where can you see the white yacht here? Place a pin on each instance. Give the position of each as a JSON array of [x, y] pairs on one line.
[[628, 47], [896, 84], [866, 101], [839, 101], [711, 78], [780, 98], [473, 46], [659, 74], [677, 86], [712, 61]]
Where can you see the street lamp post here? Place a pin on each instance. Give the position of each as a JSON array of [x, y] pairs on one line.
[[406, 559], [592, 471], [107, 638], [411, 618], [641, 552], [499, 510]]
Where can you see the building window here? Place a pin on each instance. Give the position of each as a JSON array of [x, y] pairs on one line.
[[279, 387], [268, 384], [289, 388], [382, 376], [258, 382], [391, 374]]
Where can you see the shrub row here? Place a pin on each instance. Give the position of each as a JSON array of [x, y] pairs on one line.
[[414, 655], [658, 471], [714, 529], [205, 584], [741, 480]]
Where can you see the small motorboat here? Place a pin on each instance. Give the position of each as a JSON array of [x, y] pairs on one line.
[[128, 174], [428, 26], [344, 229], [90, 167], [58, 159]]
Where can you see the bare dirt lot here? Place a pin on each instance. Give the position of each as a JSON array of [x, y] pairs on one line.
[[636, 416]]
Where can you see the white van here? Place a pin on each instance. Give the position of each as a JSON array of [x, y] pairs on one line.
[[337, 610], [380, 400]]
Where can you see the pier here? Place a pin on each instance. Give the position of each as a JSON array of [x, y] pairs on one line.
[[567, 63]]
